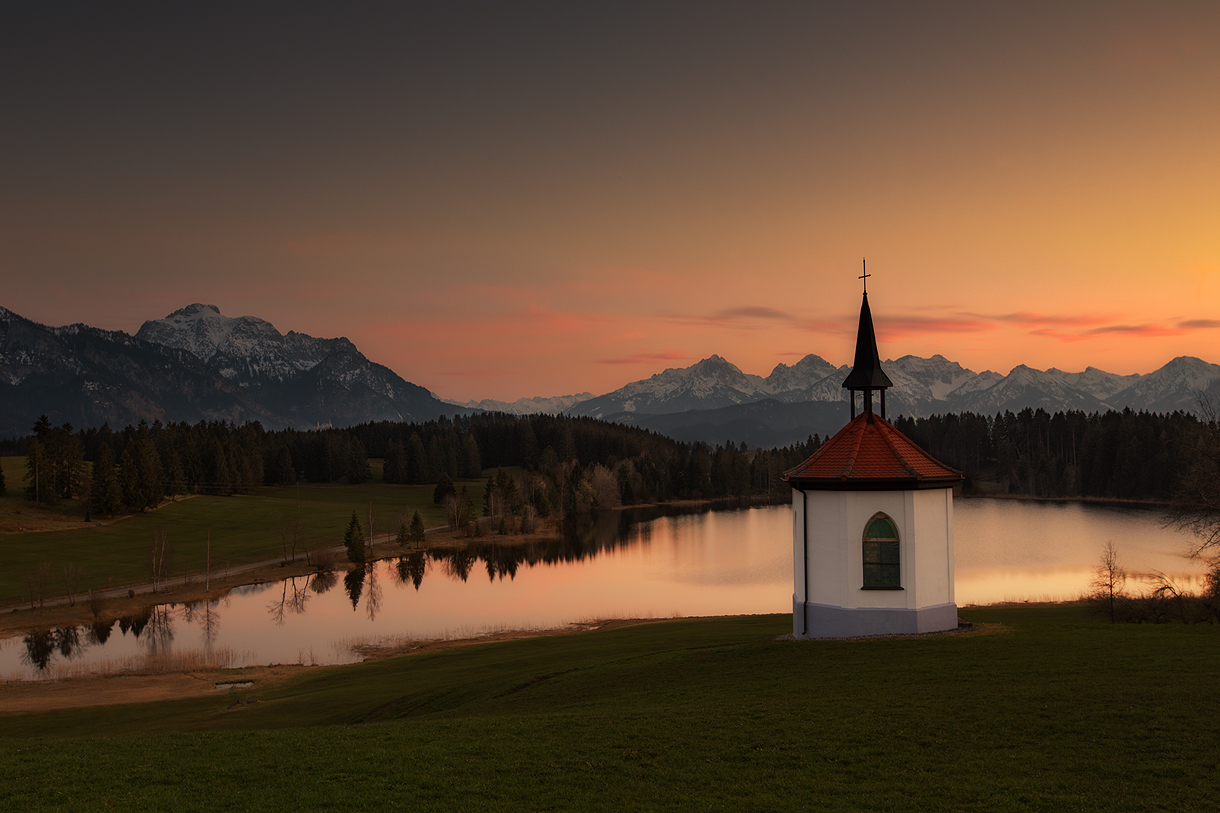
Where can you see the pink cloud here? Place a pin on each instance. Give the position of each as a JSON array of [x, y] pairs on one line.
[[1141, 331], [1138, 330], [905, 326], [1026, 319], [740, 318], [751, 312]]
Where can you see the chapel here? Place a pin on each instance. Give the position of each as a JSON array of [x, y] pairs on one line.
[[872, 521]]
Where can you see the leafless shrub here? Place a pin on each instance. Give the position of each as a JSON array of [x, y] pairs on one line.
[[73, 573]]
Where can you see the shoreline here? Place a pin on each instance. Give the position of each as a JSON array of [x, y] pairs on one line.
[[1117, 502]]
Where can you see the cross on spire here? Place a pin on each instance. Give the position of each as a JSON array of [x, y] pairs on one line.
[[865, 275]]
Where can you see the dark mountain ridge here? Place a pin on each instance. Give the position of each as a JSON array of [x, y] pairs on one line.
[[170, 371]]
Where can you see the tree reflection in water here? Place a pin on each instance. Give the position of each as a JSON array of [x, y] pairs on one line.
[[158, 634], [411, 568], [39, 647], [583, 537], [372, 605], [99, 630], [353, 584], [458, 563], [292, 599], [135, 623], [501, 557], [67, 641], [322, 581], [209, 620]]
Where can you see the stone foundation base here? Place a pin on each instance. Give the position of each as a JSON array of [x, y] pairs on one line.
[[811, 620]]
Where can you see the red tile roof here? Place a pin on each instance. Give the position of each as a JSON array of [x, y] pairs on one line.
[[871, 454]]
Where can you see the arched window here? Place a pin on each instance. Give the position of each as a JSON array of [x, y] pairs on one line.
[[882, 570]]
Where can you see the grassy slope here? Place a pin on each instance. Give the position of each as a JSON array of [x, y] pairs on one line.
[[243, 529], [1059, 713]]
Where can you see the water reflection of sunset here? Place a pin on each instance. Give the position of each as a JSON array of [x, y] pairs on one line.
[[685, 564]]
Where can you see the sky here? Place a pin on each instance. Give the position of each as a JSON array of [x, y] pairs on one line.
[[499, 200]]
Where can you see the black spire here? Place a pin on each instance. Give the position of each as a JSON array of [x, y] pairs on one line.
[[867, 374]]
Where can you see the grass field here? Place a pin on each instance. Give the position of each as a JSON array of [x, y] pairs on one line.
[[1056, 711], [243, 529]]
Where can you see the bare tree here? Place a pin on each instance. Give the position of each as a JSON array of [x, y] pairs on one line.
[[159, 559], [458, 511], [72, 578], [1109, 580]]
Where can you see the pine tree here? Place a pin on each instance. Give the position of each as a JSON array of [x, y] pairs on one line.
[[394, 470], [129, 487], [472, 465], [37, 473], [104, 495], [416, 536], [403, 536], [148, 474], [353, 540], [1, 482]]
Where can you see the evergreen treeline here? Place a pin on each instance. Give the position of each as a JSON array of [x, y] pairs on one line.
[[648, 466], [578, 461], [1122, 455], [571, 462]]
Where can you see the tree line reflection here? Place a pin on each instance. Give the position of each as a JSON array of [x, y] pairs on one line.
[[153, 628], [583, 537]]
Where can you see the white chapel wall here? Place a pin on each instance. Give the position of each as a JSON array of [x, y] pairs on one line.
[[834, 524]]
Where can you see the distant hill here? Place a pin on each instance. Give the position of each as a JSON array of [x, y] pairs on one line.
[[196, 364]]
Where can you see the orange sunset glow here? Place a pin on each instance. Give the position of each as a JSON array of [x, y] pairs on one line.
[[545, 198]]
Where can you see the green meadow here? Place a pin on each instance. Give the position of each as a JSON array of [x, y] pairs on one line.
[[1051, 710], [243, 529]]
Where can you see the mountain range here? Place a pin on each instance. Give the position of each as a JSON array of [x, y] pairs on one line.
[[195, 364], [713, 400], [198, 364]]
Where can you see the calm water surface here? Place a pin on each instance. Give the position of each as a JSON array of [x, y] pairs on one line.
[[705, 563]]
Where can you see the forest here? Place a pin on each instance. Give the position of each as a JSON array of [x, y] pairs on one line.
[[1108, 455], [576, 462], [568, 462]]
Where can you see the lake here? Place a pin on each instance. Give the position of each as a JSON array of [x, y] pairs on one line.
[[635, 564]]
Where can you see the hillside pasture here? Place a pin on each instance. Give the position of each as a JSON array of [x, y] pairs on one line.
[[1042, 709]]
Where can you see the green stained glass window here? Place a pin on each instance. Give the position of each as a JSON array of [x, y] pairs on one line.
[[880, 528], [882, 568]]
